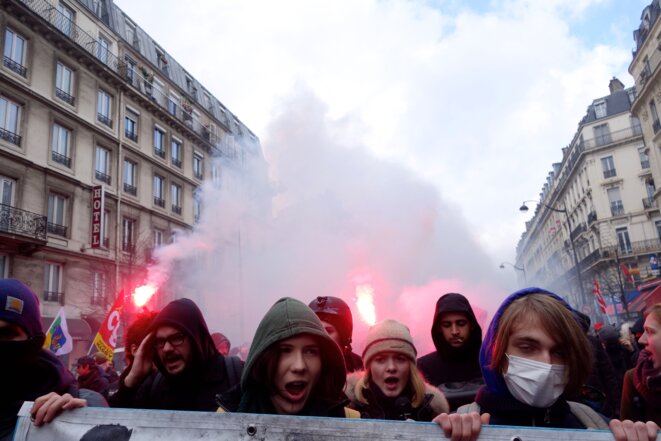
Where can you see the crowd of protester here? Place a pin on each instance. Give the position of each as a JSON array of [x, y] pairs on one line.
[[540, 364]]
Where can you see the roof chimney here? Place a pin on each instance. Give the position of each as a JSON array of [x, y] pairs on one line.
[[615, 85]]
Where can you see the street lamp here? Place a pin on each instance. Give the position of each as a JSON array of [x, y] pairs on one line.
[[522, 269], [524, 208]]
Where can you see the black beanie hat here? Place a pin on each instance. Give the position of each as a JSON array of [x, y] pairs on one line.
[[20, 306]]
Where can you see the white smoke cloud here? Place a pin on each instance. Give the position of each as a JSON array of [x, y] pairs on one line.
[[319, 217]]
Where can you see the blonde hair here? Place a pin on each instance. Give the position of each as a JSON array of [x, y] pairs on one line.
[[557, 320], [416, 381]]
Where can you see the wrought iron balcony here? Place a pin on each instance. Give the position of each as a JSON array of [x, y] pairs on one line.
[[22, 222], [610, 173], [649, 203], [159, 152], [580, 228], [10, 137], [617, 209], [64, 96], [176, 209], [15, 66], [59, 230], [52, 296], [128, 188], [176, 162], [131, 135], [103, 119], [159, 202], [100, 176], [592, 217], [62, 159]]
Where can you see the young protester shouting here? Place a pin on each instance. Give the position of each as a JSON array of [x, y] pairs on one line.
[[641, 393], [391, 387], [293, 367], [534, 353]]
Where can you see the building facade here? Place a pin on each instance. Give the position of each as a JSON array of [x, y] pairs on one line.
[[599, 203], [88, 100]]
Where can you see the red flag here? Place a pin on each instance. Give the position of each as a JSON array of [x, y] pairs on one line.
[[106, 339], [600, 298], [627, 272]]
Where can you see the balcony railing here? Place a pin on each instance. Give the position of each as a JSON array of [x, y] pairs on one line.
[[617, 208], [100, 176], [176, 209], [131, 135], [176, 162], [59, 230], [10, 137], [580, 228], [64, 96], [649, 203], [128, 188], [591, 258], [610, 173], [62, 159], [15, 66], [592, 217], [645, 164], [159, 202], [22, 222], [159, 152], [638, 247], [103, 119], [53, 296]]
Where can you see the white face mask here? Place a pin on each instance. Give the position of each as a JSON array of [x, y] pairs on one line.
[[533, 382]]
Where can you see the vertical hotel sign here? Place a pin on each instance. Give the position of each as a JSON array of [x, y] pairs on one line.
[[97, 216]]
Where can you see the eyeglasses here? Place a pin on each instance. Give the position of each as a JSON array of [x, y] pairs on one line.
[[174, 340]]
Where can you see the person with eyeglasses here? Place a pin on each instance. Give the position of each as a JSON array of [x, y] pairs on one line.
[[190, 370]]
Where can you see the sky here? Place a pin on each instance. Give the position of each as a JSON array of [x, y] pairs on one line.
[[451, 109]]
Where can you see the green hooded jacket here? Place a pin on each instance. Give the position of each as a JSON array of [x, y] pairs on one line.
[[289, 318]]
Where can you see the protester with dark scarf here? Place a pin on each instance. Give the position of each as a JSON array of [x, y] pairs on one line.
[[29, 372], [641, 393], [293, 367], [190, 371], [391, 387]]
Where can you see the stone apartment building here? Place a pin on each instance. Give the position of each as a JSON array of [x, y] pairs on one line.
[[603, 198], [88, 99]]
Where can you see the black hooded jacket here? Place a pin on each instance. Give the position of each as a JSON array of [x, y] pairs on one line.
[[194, 389], [448, 364]]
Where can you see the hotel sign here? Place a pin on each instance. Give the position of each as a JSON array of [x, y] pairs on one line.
[[97, 216]]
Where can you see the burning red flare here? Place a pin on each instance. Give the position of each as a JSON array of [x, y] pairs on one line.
[[365, 303], [142, 294]]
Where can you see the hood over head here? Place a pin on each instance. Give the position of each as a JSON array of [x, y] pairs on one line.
[[493, 380], [453, 302], [184, 315], [288, 318], [20, 306]]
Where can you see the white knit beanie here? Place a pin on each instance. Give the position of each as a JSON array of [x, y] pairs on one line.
[[388, 336]]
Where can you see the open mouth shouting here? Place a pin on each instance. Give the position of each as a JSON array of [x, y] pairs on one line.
[[296, 391]]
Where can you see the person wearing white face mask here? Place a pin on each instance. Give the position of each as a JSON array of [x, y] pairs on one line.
[[533, 355]]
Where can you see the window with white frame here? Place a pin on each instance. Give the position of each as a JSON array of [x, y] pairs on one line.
[[103, 49], [173, 99], [14, 52], [602, 134], [655, 116], [623, 241], [197, 206], [57, 214], [98, 288], [131, 66], [159, 142], [53, 282], [175, 152], [106, 228], [7, 190], [215, 174], [61, 145], [635, 125], [65, 20], [159, 191], [130, 32], [175, 195], [644, 157], [615, 199], [128, 235], [608, 167], [158, 237], [131, 125], [64, 78], [198, 167], [10, 117], [130, 177], [600, 109], [104, 107], [102, 165]]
